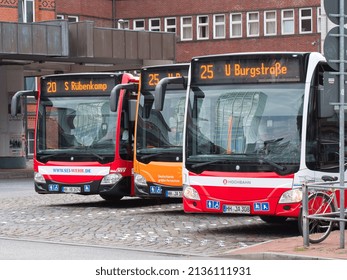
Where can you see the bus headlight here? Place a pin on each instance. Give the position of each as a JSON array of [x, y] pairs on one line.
[[190, 193], [38, 178], [111, 179], [291, 196], [140, 180]]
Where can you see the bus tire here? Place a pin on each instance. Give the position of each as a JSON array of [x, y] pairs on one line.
[[273, 219], [111, 198]]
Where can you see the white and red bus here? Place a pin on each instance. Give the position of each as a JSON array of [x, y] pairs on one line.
[[257, 126], [79, 143]]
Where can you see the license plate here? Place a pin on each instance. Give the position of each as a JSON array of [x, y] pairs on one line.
[[239, 209], [71, 189], [174, 193]]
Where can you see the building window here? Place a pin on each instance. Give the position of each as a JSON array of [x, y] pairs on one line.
[[139, 24], [218, 26], [202, 27], [154, 24], [123, 24], [270, 23], [252, 24], [287, 22], [72, 18], [305, 20], [186, 28], [26, 11], [31, 138], [170, 25], [69, 18], [235, 25], [319, 20]]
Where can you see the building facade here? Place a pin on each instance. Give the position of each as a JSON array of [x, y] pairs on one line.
[[218, 26], [101, 12], [41, 37]]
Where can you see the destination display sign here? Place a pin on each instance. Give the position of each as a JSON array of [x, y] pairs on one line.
[[151, 76], [71, 85], [247, 69]]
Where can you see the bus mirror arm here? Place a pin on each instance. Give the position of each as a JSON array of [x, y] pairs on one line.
[[16, 98], [115, 92], [160, 90]]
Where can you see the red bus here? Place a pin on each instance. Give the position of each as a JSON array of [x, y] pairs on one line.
[[80, 145], [257, 126]]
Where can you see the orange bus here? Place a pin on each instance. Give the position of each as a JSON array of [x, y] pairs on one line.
[[159, 131]]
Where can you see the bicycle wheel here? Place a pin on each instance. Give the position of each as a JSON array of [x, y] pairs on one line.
[[319, 203]]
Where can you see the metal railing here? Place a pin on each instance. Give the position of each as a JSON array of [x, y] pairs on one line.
[[339, 216]]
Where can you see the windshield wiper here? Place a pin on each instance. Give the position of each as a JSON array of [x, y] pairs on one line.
[[147, 158], [203, 164], [53, 155], [64, 154], [200, 167], [272, 163]]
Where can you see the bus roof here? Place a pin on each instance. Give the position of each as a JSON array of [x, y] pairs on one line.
[[255, 53]]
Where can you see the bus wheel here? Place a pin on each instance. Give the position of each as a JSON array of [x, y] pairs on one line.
[[111, 198], [273, 219]]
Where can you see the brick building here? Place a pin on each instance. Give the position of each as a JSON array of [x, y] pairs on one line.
[[27, 10], [202, 26], [219, 26], [101, 12]]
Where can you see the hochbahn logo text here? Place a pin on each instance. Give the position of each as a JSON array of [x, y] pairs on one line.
[[236, 182]]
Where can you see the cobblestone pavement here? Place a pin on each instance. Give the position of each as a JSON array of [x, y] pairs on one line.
[[132, 223]]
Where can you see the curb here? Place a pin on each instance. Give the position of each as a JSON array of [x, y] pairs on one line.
[[16, 173]]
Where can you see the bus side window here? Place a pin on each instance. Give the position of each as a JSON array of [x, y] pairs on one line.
[[322, 150]]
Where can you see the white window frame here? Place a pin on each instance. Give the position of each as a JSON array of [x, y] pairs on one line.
[[139, 28], [287, 19], [305, 18], [154, 27], [186, 26], [31, 141], [24, 6], [202, 26], [168, 26], [75, 18], [251, 22], [123, 24], [270, 21], [319, 19], [60, 16], [235, 23], [217, 25]]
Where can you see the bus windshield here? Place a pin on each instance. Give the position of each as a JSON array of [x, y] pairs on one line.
[[76, 127], [257, 126], [161, 131]]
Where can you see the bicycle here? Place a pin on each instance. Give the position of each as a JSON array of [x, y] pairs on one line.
[[322, 208]]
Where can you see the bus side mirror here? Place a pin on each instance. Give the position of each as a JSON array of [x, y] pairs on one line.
[[16, 98], [161, 87], [328, 95], [115, 92]]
